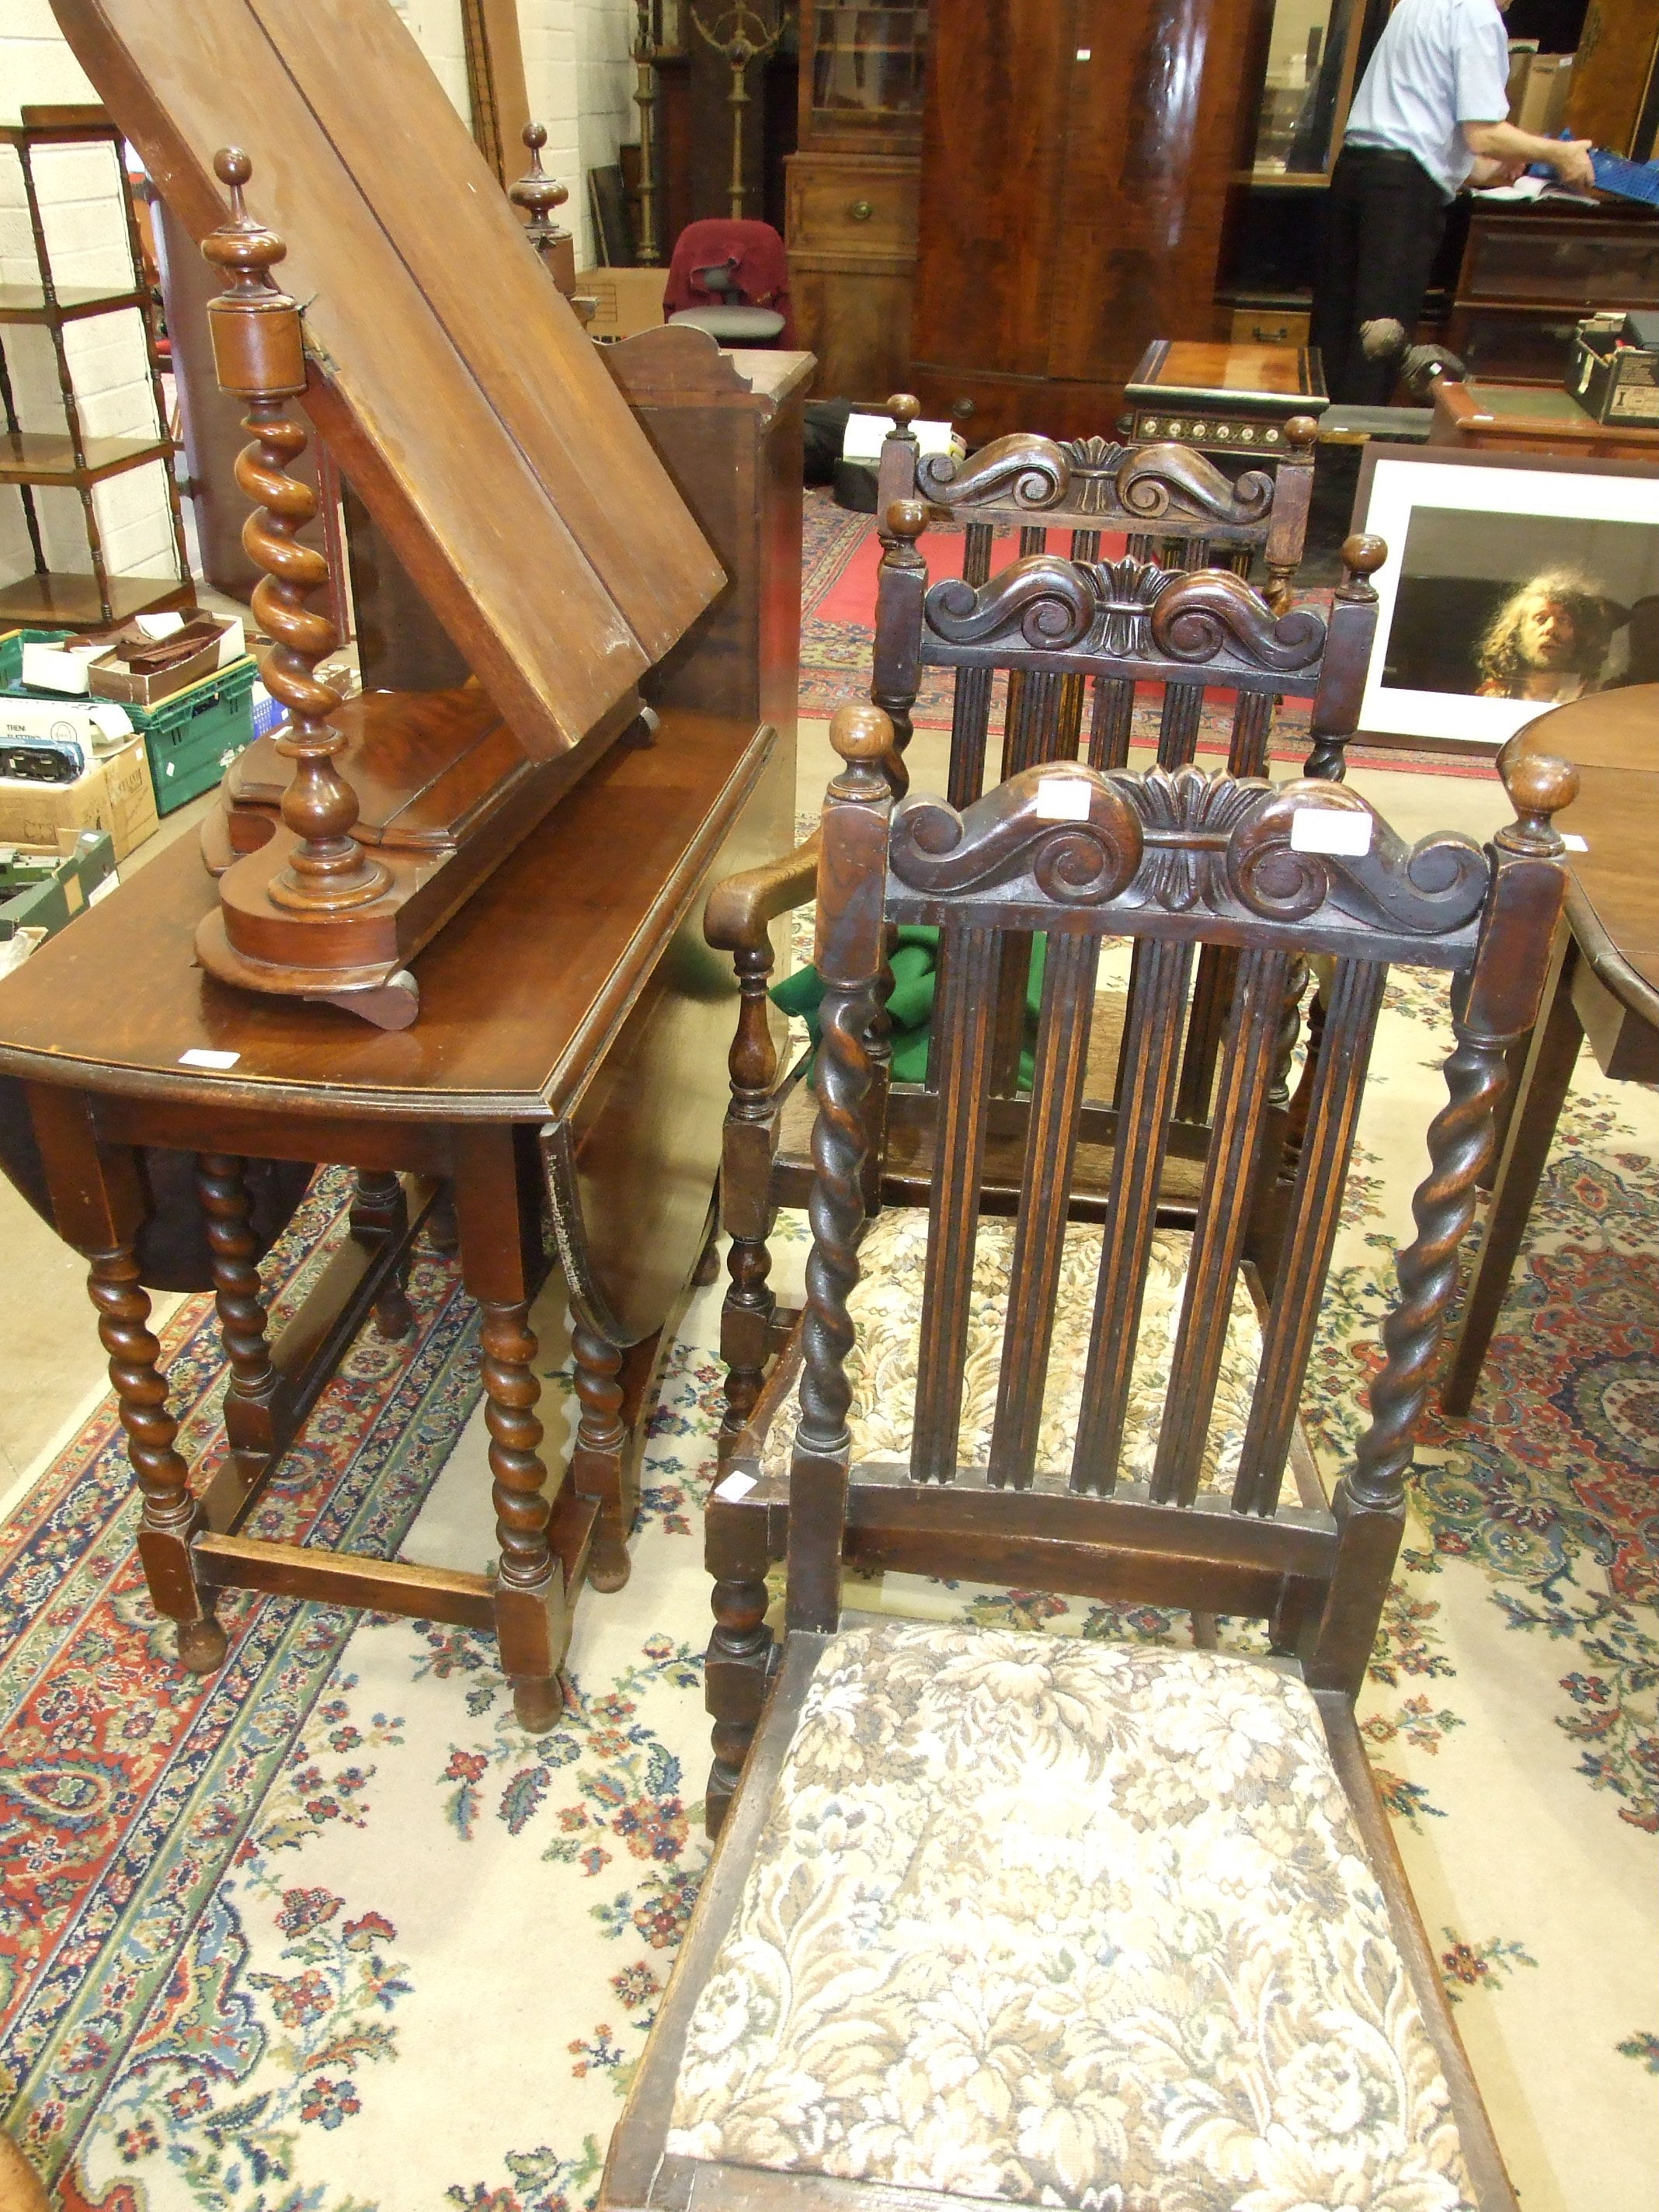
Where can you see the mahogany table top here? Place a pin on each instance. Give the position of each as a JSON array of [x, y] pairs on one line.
[[1476, 413], [519, 992], [1613, 740], [1286, 379]]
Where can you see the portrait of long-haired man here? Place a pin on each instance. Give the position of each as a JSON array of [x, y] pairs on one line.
[[1547, 640]]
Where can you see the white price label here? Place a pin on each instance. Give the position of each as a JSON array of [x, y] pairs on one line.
[[1330, 829], [1063, 798], [110, 883], [198, 1056], [1573, 844], [734, 1487]]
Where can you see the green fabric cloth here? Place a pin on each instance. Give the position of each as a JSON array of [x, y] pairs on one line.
[[910, 1009]]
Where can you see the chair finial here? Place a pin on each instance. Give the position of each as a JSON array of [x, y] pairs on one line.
[[1538, 786], [1362, 556], [860, 732], [904, 407], [906, 519], [1302, 435]]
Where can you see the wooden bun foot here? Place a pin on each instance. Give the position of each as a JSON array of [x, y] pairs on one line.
[[538, 1706], [202, 1645], [608, 1563]]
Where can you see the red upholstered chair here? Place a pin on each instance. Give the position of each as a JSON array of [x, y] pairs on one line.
[[725, 275]]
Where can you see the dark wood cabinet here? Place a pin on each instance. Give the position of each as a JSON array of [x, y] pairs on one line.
[[1530, 273], [1077, 157], [852, 190]]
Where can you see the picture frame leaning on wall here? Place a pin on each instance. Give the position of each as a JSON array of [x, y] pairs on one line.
[[1512, 586]]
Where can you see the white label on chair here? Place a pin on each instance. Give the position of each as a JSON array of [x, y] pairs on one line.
[[1322, 829], [1575, 844], [1063, 798], [734, 1487], [1084, 53], [198, 1056]]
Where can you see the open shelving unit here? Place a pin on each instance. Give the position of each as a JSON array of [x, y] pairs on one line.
[[68, 460]]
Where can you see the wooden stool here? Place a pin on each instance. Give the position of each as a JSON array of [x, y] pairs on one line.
[[1221, 399]]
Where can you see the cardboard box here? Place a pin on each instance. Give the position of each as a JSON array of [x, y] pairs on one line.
[[44, 887], [1611, 379], [115, 794], [72, 729], [110, 678], [630, 299]]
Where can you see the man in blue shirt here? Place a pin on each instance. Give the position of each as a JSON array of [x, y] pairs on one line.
[[1429, 117]]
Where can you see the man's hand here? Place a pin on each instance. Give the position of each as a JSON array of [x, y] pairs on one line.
[[1569, 158], [1571, 163], [1487, 172]]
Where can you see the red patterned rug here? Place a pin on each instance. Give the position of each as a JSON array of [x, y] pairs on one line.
[[841, 553]]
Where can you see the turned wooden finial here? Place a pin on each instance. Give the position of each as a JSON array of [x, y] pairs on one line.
[[860, 732], [1302, 435], [258, 348], [906, 519], [536, 192], [904, 407], [1538, 786], [1362, 556], [539, 194], [258, 354]]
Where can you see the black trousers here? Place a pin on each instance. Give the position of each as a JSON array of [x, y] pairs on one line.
[[1384, 219]]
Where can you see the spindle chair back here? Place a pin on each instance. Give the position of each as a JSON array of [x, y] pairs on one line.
[[1056, 625], [881, 1993], [1177, 862]]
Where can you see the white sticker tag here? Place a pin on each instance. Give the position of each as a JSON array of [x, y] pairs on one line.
[[111, 883], [1327, 830], [1575, 844], [734, 1487], [1063, 798], [198, 1056]]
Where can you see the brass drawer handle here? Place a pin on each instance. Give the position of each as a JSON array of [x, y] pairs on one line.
[[964, 406], [860, 211]]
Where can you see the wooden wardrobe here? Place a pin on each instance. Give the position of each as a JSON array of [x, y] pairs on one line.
[[1077, 156]]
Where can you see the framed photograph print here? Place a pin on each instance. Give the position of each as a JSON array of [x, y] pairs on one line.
[[1512, 585]]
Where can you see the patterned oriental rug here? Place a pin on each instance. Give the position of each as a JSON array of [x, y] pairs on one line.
[[329, 1933], [841, 553]]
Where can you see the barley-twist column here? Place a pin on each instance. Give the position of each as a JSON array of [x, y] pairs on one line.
[[221, 1183], [170, 1512], [511, 1393], [259, 354]]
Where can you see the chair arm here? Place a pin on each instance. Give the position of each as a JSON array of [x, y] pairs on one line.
[[738, 911]]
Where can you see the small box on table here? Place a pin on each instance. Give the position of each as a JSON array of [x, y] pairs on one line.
[[1614, 371], [44, 887], [113, 794]]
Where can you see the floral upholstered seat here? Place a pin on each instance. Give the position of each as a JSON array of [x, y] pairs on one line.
[[885, 1310], [1050, 1922]]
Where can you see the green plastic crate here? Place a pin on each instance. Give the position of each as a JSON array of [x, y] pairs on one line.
[[192, 738], [47, 890], [11, 660]]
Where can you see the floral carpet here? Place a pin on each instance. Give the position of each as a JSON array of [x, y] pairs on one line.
[[328, 1932], [841, 555]]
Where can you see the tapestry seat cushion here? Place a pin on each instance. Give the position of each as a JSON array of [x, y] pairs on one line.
[[1051, 1922], [886, 1313]]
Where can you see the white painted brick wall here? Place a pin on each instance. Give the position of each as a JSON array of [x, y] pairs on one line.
[[580, 81], [577, 75]]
